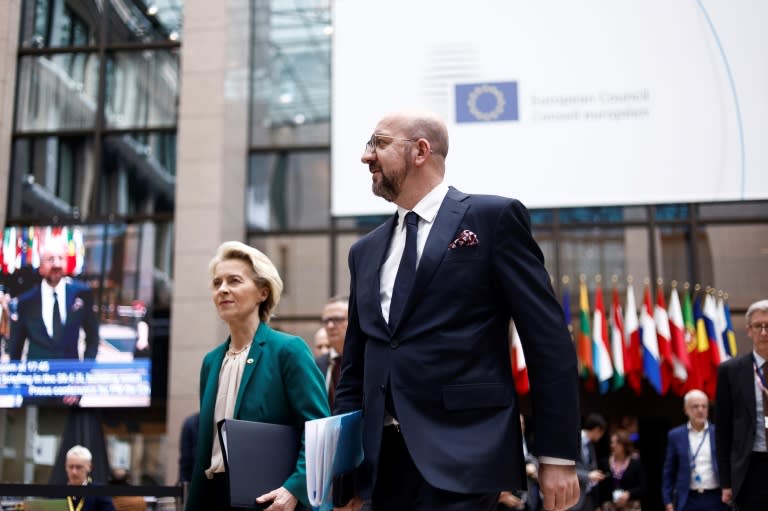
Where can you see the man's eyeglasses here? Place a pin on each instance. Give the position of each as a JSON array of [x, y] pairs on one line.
[[759, 327], [373, 143], [333, 319]]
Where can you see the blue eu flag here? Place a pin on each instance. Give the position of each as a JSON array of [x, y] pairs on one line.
[[486, 102]]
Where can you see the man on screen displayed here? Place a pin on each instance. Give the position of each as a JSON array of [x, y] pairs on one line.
[[50, 316]]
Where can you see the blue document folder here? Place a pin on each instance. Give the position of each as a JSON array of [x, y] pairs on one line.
[[333, 446]]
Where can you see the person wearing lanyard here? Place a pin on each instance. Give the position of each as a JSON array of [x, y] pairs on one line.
[[78, 467], [690, 480], [742, 420]]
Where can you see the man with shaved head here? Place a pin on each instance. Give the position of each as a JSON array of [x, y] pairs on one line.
[[426, 356]]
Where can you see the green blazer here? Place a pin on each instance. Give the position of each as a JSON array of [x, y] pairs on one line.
[[281, 384]]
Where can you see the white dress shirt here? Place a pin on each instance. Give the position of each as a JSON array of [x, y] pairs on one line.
[[703, 462], [46, 297], [427, 209]]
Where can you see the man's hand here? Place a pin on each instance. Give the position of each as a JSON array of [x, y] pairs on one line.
[[669, 507], [282, 500], [353, 505], [727, 497], [508, 499], [559, 486]]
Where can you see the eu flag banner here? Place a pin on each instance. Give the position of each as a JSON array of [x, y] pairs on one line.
[[486, 102]]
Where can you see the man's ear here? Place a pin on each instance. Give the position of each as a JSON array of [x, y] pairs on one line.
[[424, 150]]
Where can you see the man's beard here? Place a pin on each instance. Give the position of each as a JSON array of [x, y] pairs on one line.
[[389, 187]]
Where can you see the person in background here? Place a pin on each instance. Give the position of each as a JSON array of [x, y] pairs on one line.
[[334, 319], [690, 480], [624, 485], [256, 374], [586, 465], [187, 447], [527, 500], [78, 467], [426, 356], [320, 345], [51, 315], [742, 418], [125, 502]]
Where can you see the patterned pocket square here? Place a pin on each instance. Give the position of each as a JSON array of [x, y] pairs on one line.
[[467, 238]]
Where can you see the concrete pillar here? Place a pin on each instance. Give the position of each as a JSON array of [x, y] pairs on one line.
[[211, 178]]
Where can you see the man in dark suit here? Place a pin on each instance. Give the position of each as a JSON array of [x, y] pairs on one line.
[[426, 356], [742, 418], [78, 467], [586, 464], [50, 316], [187, 447], [334, 319], [690, 480]]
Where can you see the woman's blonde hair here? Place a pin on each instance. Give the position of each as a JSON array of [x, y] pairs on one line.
[[265, 274]]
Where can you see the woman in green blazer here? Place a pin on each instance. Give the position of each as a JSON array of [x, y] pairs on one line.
[[257, 374]]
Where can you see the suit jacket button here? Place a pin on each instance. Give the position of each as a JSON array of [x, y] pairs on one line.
[[383, 388], [394, 344]]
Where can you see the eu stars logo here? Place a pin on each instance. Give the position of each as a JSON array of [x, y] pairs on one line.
[[486, 102]]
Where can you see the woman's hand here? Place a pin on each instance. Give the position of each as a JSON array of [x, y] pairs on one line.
[[282, 500]]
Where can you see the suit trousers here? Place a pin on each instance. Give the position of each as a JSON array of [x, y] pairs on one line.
[[753, 495], [708, 500], [401, 487]]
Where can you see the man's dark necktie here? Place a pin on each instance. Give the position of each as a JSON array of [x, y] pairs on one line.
[[406, 271], [56, 319], [335, 375]]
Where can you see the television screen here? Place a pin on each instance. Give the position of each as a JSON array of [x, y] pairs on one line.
[[74, 324]]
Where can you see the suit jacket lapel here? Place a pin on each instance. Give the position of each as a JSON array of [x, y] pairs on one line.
[[254, 354], [747, 375], [376, 250], [443, 232]]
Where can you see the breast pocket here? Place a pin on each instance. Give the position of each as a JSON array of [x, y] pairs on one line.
[[460, 254]]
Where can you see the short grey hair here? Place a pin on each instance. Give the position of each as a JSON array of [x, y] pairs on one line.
[[81, 452], [758, 306], [265, 273], [692, 394]]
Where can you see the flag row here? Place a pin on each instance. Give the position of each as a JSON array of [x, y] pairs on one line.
[[22, 246], [675, 345]]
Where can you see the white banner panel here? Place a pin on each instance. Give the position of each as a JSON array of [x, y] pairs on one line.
[[561, 103]]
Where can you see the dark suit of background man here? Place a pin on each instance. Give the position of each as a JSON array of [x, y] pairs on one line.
[[334, 319], [690, 479], [51, 315], [742, 408], [586, 464], [432, 353]]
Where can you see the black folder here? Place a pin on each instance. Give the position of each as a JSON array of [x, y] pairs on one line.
[[258, 458]]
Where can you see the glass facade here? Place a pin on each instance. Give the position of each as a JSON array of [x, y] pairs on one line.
[[94, 142], [95, 124]]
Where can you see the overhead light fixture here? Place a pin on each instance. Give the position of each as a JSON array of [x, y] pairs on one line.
[[152, 10]]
